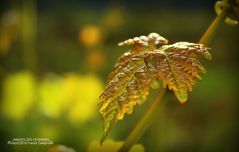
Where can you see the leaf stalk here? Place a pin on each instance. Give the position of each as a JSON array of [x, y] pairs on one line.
[[144, 123]]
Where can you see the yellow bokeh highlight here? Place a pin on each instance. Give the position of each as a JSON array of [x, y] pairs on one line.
[[85, 99], [18, 94], [112, 146], [90, 35], [50, 96], [72, 96]]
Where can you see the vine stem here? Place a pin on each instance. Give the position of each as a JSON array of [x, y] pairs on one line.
[[210, 33], [151, 112], [144, 123]]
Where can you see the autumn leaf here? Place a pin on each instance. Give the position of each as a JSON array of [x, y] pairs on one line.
[[134, 74], [178, 68]]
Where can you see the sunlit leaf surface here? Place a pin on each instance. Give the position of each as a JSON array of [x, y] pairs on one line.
[[135, 73]]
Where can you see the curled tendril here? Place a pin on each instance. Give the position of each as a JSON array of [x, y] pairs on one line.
[[221, 5]]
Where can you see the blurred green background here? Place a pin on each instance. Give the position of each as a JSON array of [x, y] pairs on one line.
[[55, 57]]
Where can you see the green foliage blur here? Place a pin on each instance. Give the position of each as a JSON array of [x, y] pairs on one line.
[[54, 62]]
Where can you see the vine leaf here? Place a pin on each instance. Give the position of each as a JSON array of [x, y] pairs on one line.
[[134, 74], [178, 68]]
